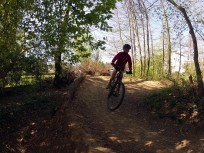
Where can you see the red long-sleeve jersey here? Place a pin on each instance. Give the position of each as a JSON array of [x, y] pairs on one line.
[[122, 58]]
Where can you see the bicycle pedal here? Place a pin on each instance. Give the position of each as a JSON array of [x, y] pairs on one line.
[[116, 94]]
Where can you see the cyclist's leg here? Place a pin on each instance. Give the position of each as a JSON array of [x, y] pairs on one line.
[[112, 77], [121, 77]]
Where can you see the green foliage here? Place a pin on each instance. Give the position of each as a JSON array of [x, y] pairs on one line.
[[65, 26], [137, 70], [30, 100], [35, 66], [157, 100], [177, 102], [190, 69], [33, 32], [11, 67], [11, 56], [155, 71]]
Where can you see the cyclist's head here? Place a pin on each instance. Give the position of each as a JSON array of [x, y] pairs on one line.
[[126, 48]]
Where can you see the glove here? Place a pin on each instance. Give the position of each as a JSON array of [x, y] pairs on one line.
[[129, 72]]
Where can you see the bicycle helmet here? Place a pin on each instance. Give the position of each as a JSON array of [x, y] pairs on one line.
[[127, 46]]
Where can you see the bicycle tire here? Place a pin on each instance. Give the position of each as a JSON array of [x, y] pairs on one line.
[[120, 100]]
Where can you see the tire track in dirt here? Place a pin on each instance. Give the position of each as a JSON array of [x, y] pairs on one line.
[[131, 129]]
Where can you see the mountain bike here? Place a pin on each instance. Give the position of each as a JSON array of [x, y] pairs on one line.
[[117, 90]]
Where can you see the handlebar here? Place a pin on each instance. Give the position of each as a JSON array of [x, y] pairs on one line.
[[116, 67], [119, 69]]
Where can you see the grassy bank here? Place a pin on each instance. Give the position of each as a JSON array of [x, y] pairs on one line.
[[177, 102]]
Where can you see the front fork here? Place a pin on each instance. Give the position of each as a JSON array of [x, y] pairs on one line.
[[117, 82]]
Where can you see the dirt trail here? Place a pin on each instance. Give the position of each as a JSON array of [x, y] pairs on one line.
[[131, 128]]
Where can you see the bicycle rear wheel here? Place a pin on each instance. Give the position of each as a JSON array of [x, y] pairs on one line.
[[115, 96]]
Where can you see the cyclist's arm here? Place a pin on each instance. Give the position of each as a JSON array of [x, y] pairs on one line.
[[130, 63], [115, 58]]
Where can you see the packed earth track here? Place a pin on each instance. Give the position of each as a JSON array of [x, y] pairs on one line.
[[83, 123], [132, 128]]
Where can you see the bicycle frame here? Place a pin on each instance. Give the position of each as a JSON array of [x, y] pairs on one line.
[[114, 89], [117, 79], [119, 76], [117, 89]]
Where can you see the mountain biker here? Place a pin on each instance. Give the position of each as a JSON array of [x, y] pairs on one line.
[[120, 60]]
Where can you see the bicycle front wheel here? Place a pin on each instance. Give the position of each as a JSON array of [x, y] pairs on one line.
[[116, 96]]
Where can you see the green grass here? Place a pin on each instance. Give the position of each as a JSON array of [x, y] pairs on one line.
[[23, 99], [30, 80], [175, 102], [29, 103], [23, 105], [27, 79], [48, 76]]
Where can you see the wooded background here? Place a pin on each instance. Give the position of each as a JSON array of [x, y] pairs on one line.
[[38, 35]]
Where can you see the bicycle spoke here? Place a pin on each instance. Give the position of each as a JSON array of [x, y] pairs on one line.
[[116, 96]]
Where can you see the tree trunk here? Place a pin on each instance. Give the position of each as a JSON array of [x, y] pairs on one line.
[[192, 87], [115, 47], [163, 52], [147, 33], [144, 46], [169, 38], [195, 47], [120, 30], [190, 55], [58, 70], [58, 81], [136, 32], [134, 52], [152, 47], [179, 58], [132, 44], [148, 48]]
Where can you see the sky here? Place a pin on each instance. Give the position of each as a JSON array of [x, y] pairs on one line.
[[113, 48], [114, 43]]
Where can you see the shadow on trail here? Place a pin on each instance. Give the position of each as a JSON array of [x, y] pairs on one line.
[[131, 128]]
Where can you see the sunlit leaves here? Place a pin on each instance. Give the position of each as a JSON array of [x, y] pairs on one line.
[[42, 29]]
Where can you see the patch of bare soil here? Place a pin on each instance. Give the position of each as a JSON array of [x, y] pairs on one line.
[[25, 119], [40, 122], [131, 128], [85, 125]]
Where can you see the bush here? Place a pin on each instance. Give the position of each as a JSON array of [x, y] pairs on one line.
[[30, 102], [91, 67], [176, 102]]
